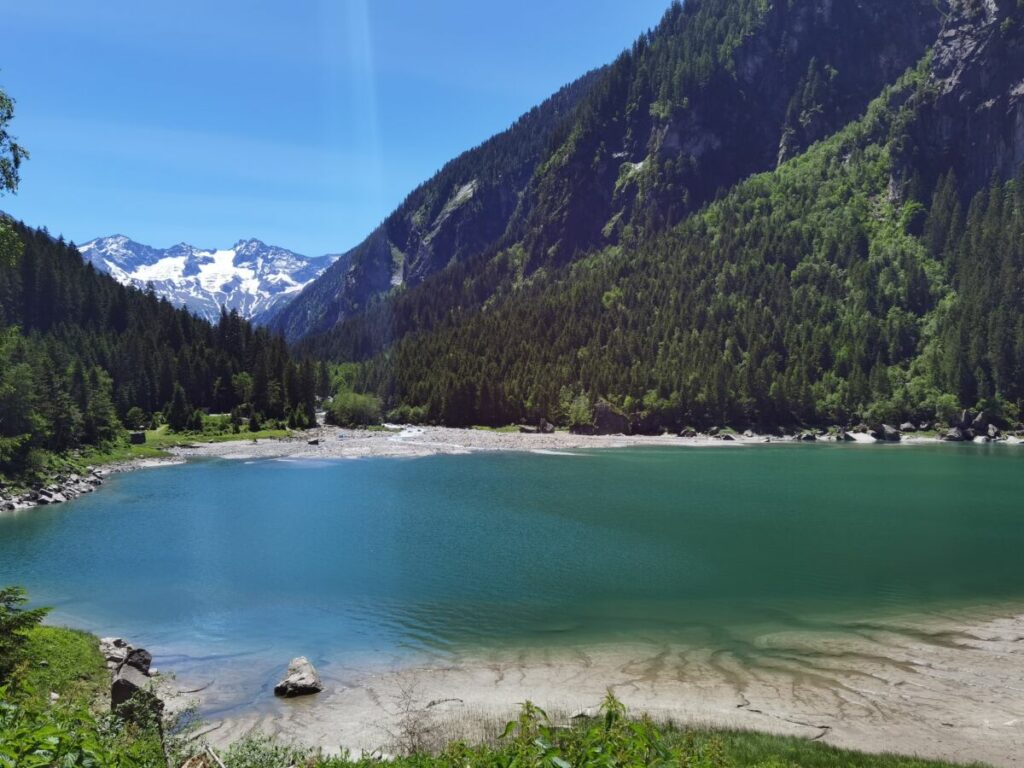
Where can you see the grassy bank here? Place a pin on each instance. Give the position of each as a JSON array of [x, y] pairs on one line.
[[51, 467], [54, 709], [159, 441]]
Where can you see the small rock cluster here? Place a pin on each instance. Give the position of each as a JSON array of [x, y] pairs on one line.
[[132, 672], [63, 488], [970, 427]]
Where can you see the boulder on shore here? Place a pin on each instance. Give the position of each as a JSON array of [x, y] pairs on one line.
[[140, 659], [906, 426], [890, 434], [607, 421], [131, 684], [954, 435], [302, 680], [546, 427]]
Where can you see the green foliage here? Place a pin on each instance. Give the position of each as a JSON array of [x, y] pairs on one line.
[[351, 409], [804, 296], [64, 661], [135, 418], [11, 153], [259, 751], [70, 736], [15, 623], [179, 412], [10, 246], [577, 410], [79, 352]]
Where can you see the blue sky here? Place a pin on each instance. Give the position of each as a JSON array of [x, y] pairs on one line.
[[300, 122]]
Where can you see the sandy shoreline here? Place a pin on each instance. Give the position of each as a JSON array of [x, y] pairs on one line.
[[944, 687]]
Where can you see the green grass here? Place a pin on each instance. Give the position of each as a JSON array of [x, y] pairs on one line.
[[748, 748], [65, 661], [158, 441], [509, 428]]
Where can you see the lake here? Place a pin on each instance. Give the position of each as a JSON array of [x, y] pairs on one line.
[[251, 563]]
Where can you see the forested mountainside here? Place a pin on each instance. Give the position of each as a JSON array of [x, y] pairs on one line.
[[82, 355], [877, 276], [719, 90]]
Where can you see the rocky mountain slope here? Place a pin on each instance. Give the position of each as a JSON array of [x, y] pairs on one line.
[[876, 276], [251, 277], [458, 215], [719, 90]]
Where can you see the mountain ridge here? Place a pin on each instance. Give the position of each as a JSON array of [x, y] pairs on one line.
[[720, 89]]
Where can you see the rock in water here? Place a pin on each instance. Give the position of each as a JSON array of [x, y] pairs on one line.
[[301, 680], [890, 434]]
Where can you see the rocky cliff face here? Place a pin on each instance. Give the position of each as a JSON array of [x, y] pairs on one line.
[[970, 118], [800, 71]]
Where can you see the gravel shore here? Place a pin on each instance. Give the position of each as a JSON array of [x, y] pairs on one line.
[[411, 442]]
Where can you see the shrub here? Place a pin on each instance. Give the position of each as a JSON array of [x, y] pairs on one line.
[[351, 409], [135, 418]]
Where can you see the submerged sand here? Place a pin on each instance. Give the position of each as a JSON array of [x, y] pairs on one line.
[[944, 687]]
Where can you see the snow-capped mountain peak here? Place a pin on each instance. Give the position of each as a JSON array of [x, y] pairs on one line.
[[251, 276]]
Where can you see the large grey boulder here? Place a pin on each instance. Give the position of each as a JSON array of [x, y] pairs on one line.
[[954, 435], [608, 421], [131, 685], [302, 680]]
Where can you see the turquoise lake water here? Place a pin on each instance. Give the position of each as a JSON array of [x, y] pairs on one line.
[[270, 559]]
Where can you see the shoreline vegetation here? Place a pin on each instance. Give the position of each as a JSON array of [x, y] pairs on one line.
[[54, 704]]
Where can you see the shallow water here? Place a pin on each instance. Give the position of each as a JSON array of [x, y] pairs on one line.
[[244, 565]]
